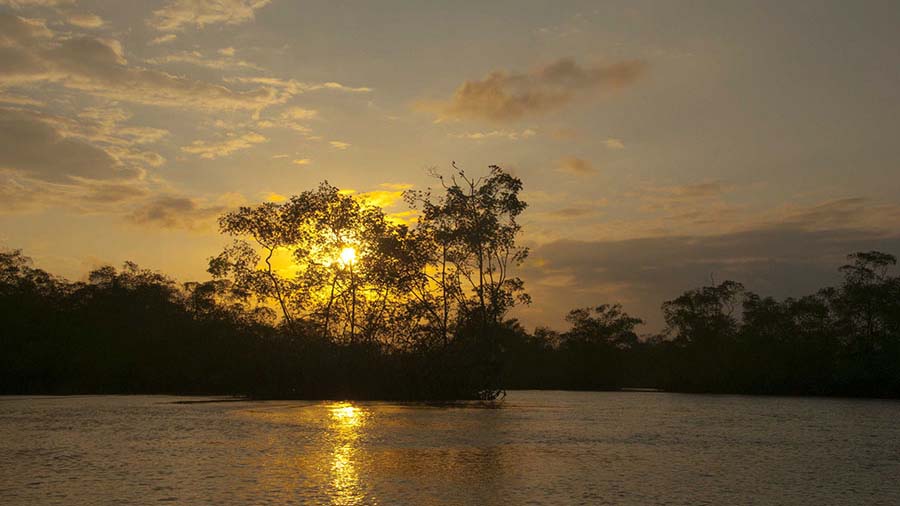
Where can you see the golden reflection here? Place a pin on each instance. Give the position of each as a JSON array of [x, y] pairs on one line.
[[346, 415], [347, 423]]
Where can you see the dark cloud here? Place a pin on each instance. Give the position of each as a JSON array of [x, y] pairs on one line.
[[785, 260], [20, 194], [36, 148], [172, 211], [504, 96], [114, 193]]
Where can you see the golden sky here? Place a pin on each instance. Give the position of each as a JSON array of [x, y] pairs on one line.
[[661, 144]]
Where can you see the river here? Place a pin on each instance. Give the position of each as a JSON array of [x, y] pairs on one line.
[[532, 448]]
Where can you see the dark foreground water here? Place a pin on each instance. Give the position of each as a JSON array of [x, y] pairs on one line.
[[536, 448]]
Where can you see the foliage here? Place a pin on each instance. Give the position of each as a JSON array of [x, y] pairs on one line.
[[421, 312]]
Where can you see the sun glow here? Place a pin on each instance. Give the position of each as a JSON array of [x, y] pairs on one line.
[[348, 256]]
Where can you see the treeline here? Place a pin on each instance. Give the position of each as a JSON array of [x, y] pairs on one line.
[[137, 331], [326, 296], [323, 295], [842, 341], [133, 331]]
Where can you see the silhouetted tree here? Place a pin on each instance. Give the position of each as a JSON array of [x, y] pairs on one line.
[[396, 321]]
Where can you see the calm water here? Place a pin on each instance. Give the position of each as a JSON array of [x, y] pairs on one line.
[[537, 448]]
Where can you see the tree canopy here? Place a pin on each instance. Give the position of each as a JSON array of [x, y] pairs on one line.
[[326, 296]]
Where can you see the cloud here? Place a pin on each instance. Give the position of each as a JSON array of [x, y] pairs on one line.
[[104, 124], [197, 58], [175, 211], [503, 96], [614, 143], [789, 251], [163, 39], [114, 192], [339, 145], [576, 166], [32, 53], [12, 99], [103, 127], [381, 198], [294, 87], [302, 161], [299, 113], [779, 260], [20, 193], [176, 15], [497, 134], [212, 150], [396, 186], [21, 4], [407, 217], [679, 197], [85, 20], [41, 151]]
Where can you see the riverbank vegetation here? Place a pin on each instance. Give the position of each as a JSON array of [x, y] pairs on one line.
[[325, 296]]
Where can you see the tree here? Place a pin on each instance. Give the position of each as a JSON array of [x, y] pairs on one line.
[[604, 325], [868, 296], [704, 315], [272, 227], [473, 227], [705, 328], [348, 269]]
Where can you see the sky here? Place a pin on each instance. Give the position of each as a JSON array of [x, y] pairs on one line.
[[662, 145]]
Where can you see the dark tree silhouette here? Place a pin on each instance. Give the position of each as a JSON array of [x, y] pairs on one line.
[[324, 296]]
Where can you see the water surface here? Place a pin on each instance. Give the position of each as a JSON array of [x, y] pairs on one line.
[[535, 448]]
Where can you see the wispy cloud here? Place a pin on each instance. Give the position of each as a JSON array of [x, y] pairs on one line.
[[21, 4], [299, 113], [197, 58], [85, 20], [213, 150], [20, 193], [674, 197], [511, 135], [163, 39], [98, 66], [176, 15], [614, 143], [295, 87], [396, 186]]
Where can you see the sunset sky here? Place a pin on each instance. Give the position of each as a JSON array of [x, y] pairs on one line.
[[661, 144]]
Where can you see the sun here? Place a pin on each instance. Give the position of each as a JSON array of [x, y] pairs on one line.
[[348, 256]]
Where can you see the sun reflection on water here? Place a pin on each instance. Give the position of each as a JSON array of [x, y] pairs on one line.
[[347, 422]]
